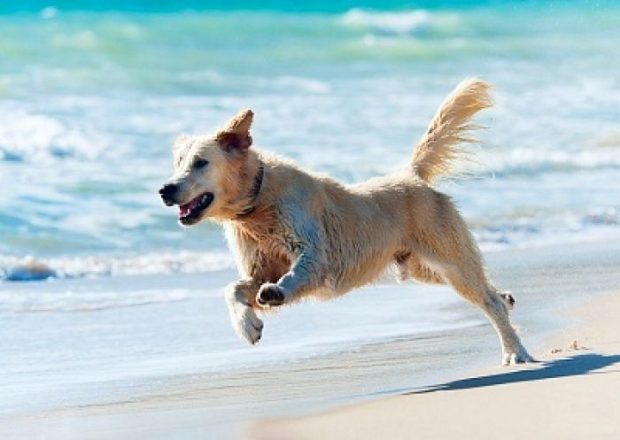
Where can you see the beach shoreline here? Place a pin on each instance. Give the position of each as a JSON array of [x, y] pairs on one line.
[[570, 393], [198, 404]]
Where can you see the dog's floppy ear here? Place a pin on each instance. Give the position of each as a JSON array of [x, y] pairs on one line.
[[235, 135]]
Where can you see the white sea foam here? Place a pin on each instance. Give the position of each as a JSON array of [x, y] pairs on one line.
[[538, 160], [25, 135], [532, 236], [410, 22], [28, 268], [301, 83], [518, 230]]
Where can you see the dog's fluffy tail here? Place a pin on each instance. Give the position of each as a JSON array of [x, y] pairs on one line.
[[437, 151]]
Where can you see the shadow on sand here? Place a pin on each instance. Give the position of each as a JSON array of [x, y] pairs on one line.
[[571, 366]]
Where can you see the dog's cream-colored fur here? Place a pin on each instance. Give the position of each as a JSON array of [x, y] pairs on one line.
[[306, 235]]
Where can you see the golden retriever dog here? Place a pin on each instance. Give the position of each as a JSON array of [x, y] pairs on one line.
[[296, 234]]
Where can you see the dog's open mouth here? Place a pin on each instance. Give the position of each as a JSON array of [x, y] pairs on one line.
[[190, 212]]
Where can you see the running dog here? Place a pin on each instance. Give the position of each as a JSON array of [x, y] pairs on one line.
[[297, 235]]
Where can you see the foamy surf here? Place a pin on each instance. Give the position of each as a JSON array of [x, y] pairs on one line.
[[26, 136], [412, 22], [160, 263], [509, 229]]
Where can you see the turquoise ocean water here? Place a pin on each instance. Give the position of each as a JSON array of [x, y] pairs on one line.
[[91, 97]]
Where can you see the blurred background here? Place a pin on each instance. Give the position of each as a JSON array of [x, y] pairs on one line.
[[93, 93]]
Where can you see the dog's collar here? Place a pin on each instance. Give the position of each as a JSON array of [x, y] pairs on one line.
[[254, 191]]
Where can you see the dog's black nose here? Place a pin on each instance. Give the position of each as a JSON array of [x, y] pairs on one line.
[[167, 193]]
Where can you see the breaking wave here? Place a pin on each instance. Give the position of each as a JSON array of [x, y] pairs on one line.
[[31, 136], [416, 22], [501, 233], [31, 269], [532, 161]]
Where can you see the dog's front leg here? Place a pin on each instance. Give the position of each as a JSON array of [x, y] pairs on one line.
[[306, 273], [240, 298]]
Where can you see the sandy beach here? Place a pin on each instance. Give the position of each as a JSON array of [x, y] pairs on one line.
[[572, 393]]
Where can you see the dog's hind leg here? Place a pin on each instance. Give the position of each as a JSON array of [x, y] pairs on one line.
[[469, 280], [476, 289], [409, 265], [423, 273], [240, 299]]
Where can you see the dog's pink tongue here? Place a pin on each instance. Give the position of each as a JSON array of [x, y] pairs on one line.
[[185, 209]]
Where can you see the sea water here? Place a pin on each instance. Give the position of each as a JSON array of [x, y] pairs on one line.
[[92, 96], [90, 101]]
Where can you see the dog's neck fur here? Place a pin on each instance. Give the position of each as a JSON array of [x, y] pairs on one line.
[[250, 194], [254, 192]]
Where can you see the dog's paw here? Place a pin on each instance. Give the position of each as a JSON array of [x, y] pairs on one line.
[[270, 295], [247, 325], [514, 357], [508, 299]]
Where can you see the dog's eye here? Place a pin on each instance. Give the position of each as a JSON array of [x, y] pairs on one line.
[[200, 163]]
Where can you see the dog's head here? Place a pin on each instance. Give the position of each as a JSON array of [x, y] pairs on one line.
[[210, 172]]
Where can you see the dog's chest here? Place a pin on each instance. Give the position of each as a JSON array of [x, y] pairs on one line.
[[270, 241]]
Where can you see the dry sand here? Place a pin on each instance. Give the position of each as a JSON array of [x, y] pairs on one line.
[[573, 393]]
